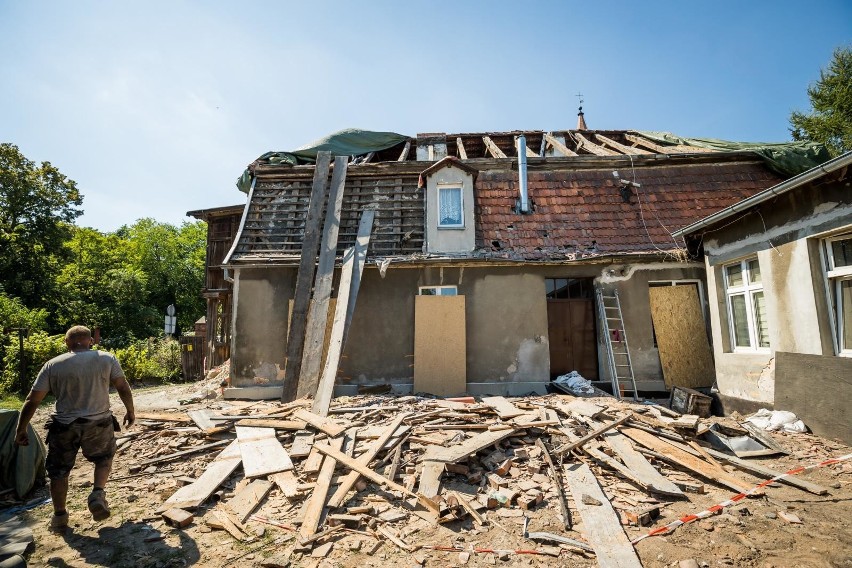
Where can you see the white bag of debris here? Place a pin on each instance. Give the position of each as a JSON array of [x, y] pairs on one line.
[[576, 382], [774, 420]]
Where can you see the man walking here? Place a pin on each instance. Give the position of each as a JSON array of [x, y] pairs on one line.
[[80, 381]]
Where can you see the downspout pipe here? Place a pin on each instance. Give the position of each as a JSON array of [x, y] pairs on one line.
[[522, 174]]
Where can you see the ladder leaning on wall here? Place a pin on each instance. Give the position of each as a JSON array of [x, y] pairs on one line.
[[617, 349]]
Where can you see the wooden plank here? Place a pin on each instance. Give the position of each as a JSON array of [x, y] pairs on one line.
[[440, 345], [559, 145], [816, 388], [305, 278], [321, 423], [460, 146], [164, 416], [194, 494], [221, 520], [686, 460], [505, 409], [352, 477], [362, 243], [248, 498], [470, 446], [277, 424], [557, 483], [591, 435], [313, 464], [492, 147], [318, 312], [626, 149], [590, 146], [316, 502], [202, 418], [286, 482], [325, 390], [601, 524], [262, 452], [430, 479], [302, 443], [645, 473], [180, 454], [405, 150], [471, 510], [765, 472], [681, 337]]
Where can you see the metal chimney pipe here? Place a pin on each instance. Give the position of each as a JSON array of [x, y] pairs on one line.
[[522, 173]]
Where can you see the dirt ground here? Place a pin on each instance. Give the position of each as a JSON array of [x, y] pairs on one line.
[[749, 534]]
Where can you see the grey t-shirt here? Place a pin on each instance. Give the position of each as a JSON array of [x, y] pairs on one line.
[[80, 382]]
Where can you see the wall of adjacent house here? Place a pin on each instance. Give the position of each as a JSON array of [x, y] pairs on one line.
[[785, 235]]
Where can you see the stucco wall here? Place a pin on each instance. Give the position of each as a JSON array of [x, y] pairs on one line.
[[785, 237], [449, 239]]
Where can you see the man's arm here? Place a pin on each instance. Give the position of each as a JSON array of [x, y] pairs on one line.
[[126, 396], [27, 412]]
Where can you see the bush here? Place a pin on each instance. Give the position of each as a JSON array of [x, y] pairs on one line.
[[151, 359], [39, 348]]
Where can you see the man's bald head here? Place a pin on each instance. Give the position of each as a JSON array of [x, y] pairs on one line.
[[78, 338]]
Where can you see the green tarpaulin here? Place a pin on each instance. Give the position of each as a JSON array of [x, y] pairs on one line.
[[21, 467], [786, 158]]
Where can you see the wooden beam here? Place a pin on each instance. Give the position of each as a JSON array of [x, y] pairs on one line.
[[248, 498], [492, 147], [318, 313], [405, 150], [362, 243], [647, 143], [645, 473], [470, 446], [325, 390], [601, 524], [316, 502], [557, 482], [760, 471], [262, 452], [321, 423], [595, 149], [305, 278], [562, 450], [626, 149], [559, 145], [460, 146], [351, 478], [192, 495], [530, 152]]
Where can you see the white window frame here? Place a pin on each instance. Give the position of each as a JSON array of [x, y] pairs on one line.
[[438, 290], [746, 289], [834, 275], [441, 190]]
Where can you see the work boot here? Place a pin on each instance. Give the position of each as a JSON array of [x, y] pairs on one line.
[[98, 505], [58, 523]]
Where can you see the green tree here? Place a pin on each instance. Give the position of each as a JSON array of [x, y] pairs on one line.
[[830, 119], [37, 207]]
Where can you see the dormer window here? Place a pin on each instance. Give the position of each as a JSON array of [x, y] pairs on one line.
[[450, 207]]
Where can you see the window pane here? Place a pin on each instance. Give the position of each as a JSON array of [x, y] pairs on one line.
[[561, 291], [753, 271], [549, 286], [845, 312], [427, 291], [450, 207], [735, 274], [447, 291], [842, 252], [738, 312], [760, 324]]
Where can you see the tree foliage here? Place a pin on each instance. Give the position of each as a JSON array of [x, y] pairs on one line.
[[37, 205], [830, 119]]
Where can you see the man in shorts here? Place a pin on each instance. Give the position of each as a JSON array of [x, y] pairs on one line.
[[80, 381]]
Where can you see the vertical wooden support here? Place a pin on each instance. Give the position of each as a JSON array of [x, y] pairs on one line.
[[362, 241], [318, 313], [305, 278]]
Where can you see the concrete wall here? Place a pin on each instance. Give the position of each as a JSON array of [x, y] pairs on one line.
[[785, 236], [449, 239]]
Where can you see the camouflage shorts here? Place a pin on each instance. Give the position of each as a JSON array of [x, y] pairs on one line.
[[95, 437]]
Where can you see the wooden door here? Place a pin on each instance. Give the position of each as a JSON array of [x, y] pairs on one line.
[[571, 333]]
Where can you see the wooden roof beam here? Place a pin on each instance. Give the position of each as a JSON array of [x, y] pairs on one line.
[[626, 149], [590, 146], [530, 152], [558, 145], [647, 143], [492, 147], [460, 146], [405, 150]]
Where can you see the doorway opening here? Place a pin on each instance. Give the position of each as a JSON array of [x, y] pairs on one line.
[[571, 327]]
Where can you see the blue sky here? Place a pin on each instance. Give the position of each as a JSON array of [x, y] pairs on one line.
[[155, 107]]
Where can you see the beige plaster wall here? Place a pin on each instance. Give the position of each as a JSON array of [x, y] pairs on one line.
[[453, 240]]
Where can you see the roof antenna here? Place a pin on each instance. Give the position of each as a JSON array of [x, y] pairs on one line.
[[581, 122]]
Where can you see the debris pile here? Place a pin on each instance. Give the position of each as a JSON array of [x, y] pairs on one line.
[[547, 475]]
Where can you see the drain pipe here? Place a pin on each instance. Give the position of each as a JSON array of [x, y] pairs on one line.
[[522, 174]]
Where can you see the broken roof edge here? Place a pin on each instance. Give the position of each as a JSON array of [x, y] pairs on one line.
[[785, 186], [204, 214]]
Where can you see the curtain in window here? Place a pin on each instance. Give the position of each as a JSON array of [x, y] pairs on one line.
[[450, 206]]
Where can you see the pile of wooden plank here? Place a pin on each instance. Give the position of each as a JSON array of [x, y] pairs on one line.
[[570, 474]]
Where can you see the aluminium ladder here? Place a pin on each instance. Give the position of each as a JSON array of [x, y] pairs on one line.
[[617, 349]]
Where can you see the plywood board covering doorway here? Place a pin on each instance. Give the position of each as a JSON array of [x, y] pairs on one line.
[[440, 352], [682, 341]]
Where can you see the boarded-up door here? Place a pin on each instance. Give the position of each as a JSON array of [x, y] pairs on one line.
[[571, 334], [440, 352], [681, 337]]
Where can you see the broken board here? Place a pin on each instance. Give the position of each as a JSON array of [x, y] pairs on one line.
[[302, 444], [248, 498], [470, 446], [440, 355], [601, 524], [681, 337], [645, 473], [262, 452], [316, 502], [504, 409], [192, 495]]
